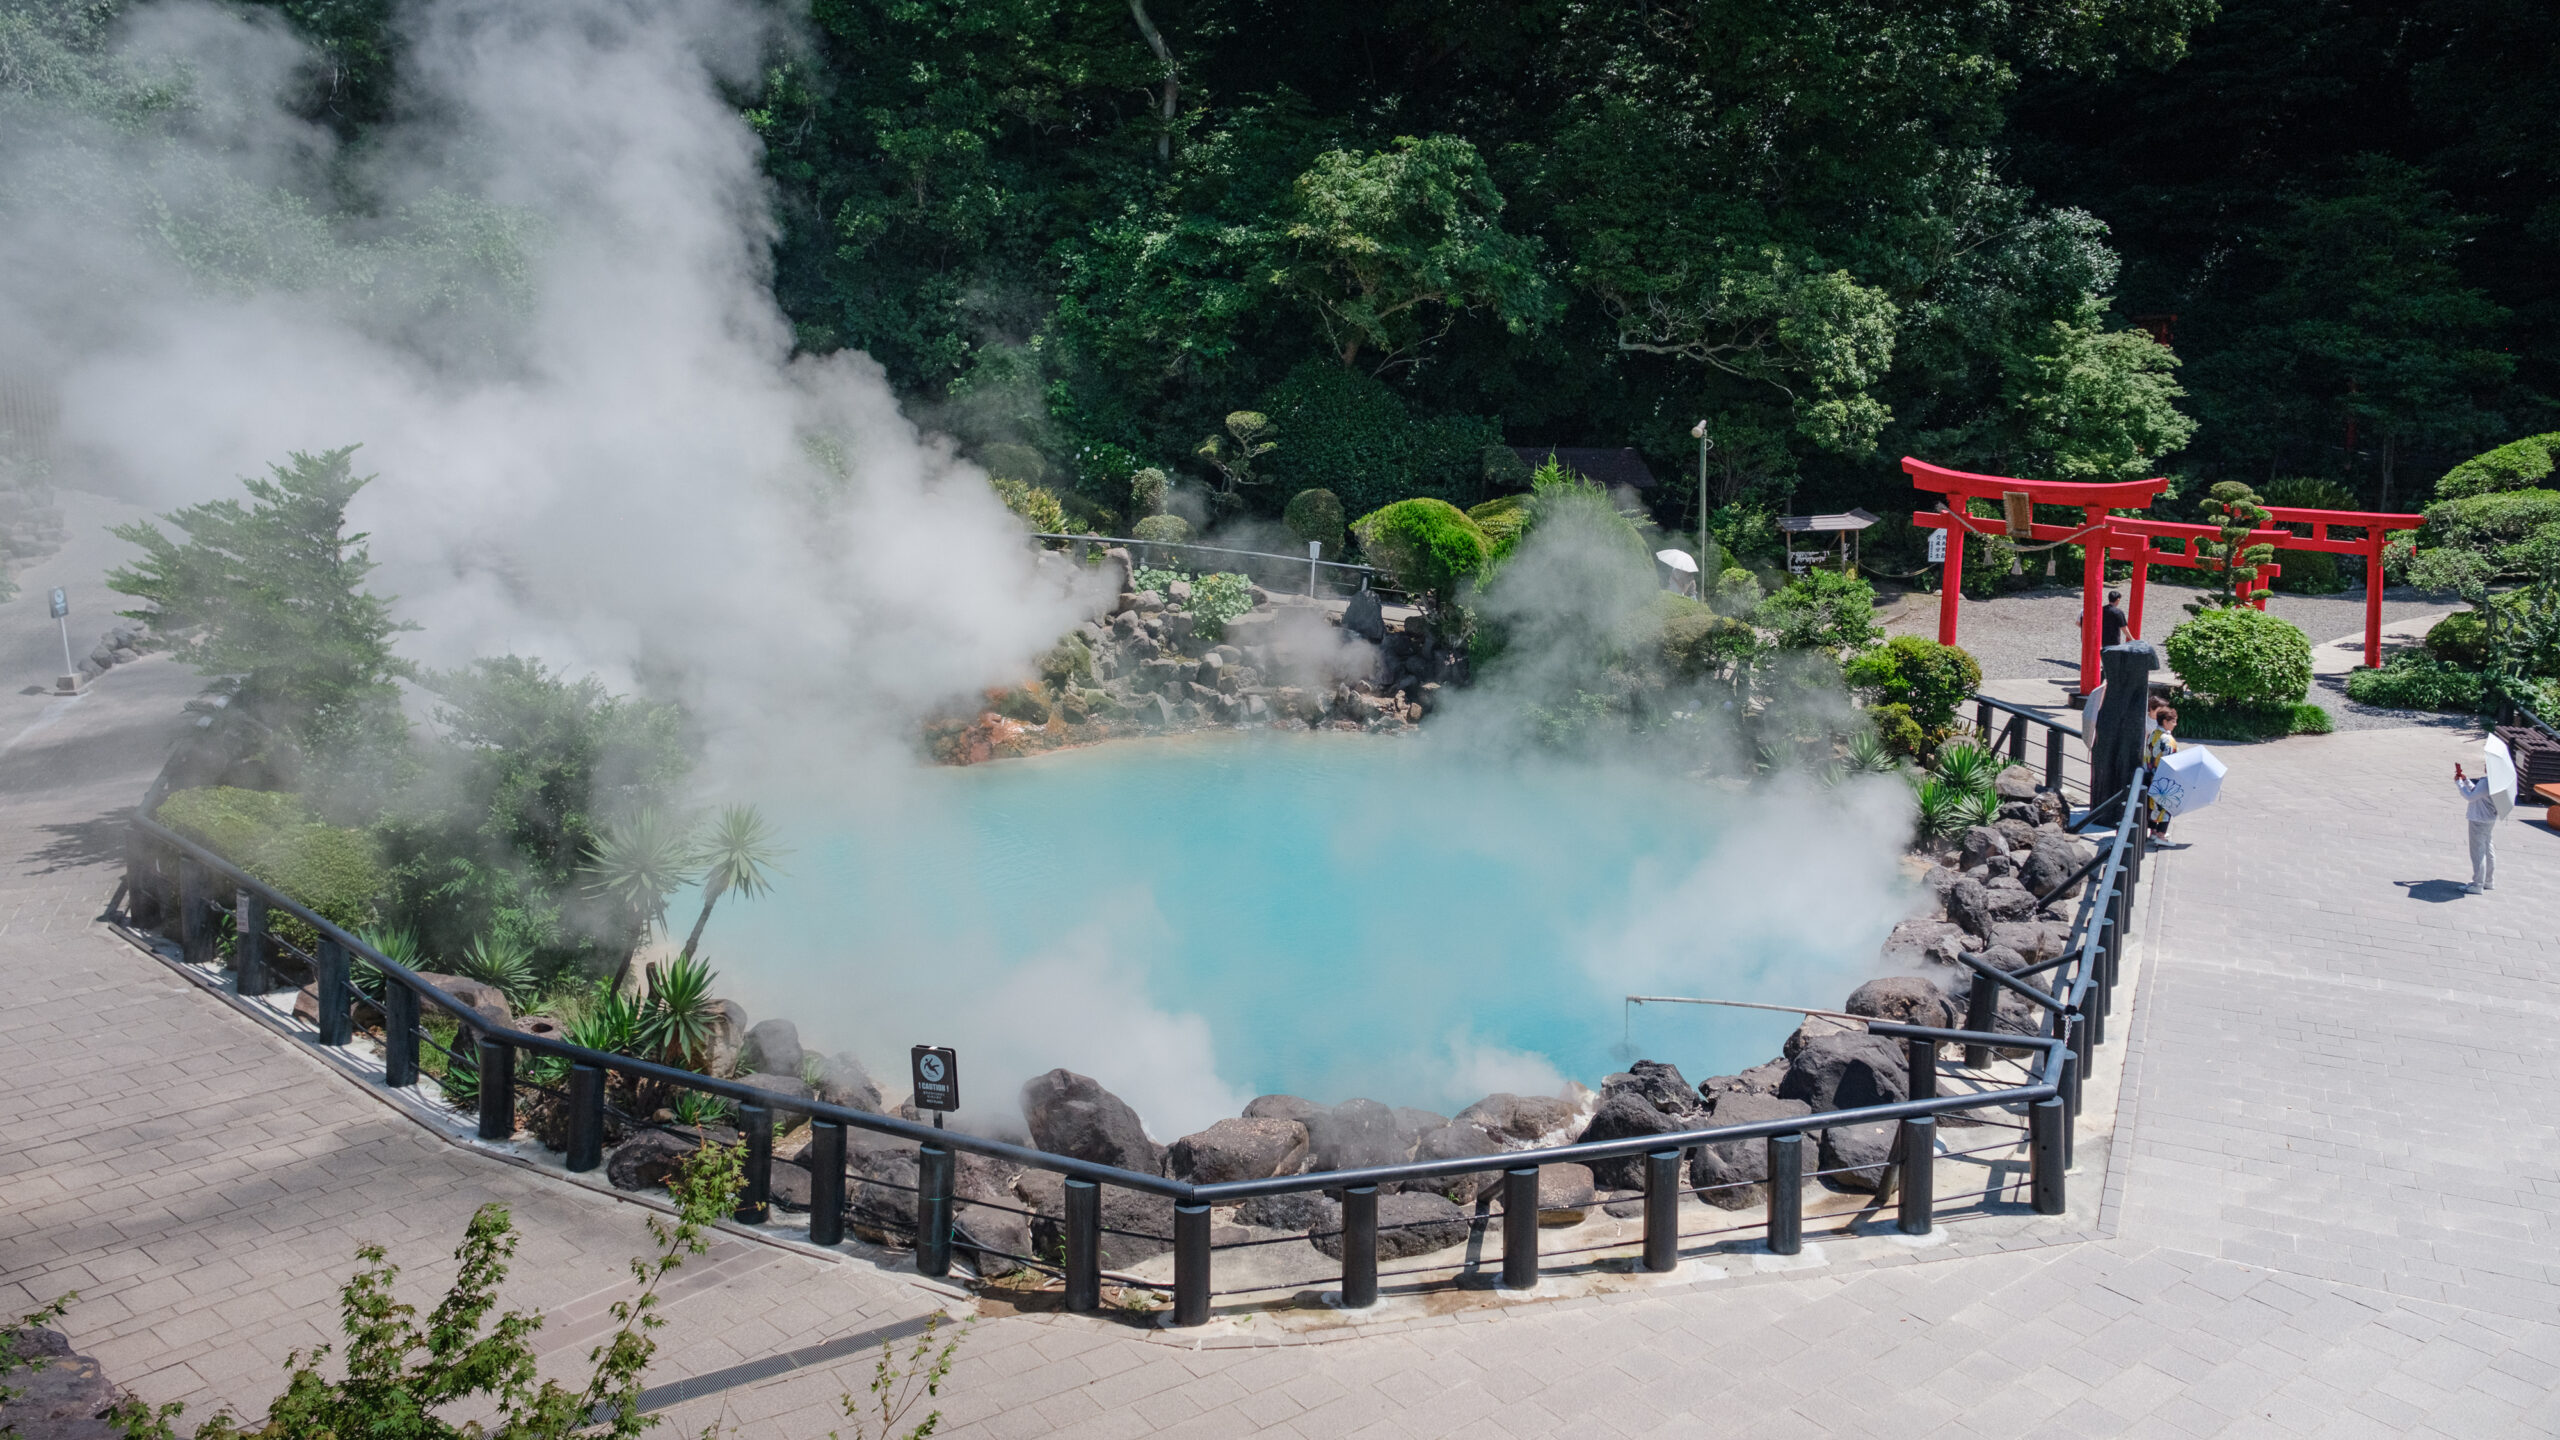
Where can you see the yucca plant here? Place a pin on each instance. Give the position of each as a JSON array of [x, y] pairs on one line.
[[638, 864], [737, 853], [503, 960], [694, 1108], [1977, 807], [1969, 767], [394, 944], [1869, 755], [676, 1018], [1940, 807]]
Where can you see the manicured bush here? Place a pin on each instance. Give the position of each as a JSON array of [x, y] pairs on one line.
[[1824, 610], [1163, 529], [2411, 681], [1699, 644], [2461, 638], [2242, 656], [334, 871], [1351, 434], [1928, 682], [1316, 515], [2517, 465], [1503, 520], [2202, 719], [1146, 493], [1430, 546]]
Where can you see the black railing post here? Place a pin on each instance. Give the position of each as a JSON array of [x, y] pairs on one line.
[[1786, 1194], [1662, 1211], [2018, 741], [399, 1034], [1084, 1246], [933, 1210], [1981, 1016], [2053, 760], [826, 1182], [1921, 1055], [1190, 1264], [331, 994], [1520, 1228], [1982, 722], [2046, 1161], [586, 1115], [497, 1088], [195, 922], [249, 950], [1359, 1247], [1919, 1173], [755, 1127]]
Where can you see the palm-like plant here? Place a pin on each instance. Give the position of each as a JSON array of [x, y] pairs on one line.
[[1969, 767], [1869, 755], [1940, 806], [396, 945], [611, 1024], [503, 960], [737, 853], [676, 1018], [1977, 807], [638, 864]]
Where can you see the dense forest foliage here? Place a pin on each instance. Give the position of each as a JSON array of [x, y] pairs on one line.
[[2278, 238]]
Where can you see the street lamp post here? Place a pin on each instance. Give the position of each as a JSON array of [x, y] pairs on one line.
[[1704, 445]]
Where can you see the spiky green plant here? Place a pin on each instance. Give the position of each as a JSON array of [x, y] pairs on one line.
[[676, 1018], [1977, 807], [692, 1107], [1869, 755], [400, 946], [1968, 767], [501, 959], [737, 853], [611, 1024], [638, 864], [1939, 807]]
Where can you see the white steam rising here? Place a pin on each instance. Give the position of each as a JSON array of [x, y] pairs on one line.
[[552, 332]]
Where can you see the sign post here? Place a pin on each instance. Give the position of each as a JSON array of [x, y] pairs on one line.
[[62, 617], [935, 1069]]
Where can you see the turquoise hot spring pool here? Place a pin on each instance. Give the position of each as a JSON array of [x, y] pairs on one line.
[[1196, 921]]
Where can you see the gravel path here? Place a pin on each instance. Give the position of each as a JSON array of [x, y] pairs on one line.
[[2035, 635]]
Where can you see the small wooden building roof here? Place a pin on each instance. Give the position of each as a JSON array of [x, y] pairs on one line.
[[1799, 524], [1612, 468]]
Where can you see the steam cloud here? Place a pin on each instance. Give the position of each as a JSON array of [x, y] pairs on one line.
[[551, 329], [547, 318]]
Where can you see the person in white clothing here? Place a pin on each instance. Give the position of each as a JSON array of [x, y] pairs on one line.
[[2482, 811]]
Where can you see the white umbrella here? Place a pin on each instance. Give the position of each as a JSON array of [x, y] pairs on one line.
[[1678, 560], [2502, 775], [2188, 780]]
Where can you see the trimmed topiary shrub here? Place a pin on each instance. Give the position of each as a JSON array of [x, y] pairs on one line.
[[1146, 493], [2242, 656], [1352, 435], [1163, 529], [2517, 465], [2461, 638], [2411, 681], [336, 872], [1698, 644], [1430, 546], [1825, 610], [1316, 515], [1915, 680]]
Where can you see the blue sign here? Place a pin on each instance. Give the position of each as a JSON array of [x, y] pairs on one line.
[[61, 603]]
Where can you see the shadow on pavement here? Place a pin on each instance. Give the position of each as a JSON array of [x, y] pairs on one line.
[[2434, 892], [81, 842]]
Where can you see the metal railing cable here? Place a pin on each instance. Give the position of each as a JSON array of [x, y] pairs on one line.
[[2046, 1088]]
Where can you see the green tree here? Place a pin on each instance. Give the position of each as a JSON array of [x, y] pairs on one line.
[[268, 598], [737, 853], [2233, 509], [1430, 546], [1388, 248], [2098, 404]]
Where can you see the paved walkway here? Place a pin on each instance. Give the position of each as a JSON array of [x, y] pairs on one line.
[[2335, 1215]]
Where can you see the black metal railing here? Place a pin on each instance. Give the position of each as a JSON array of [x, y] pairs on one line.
[[2066, 765], [1293, 573], [171, 884]]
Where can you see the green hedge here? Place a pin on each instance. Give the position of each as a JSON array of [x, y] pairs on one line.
[[1348, 433], [1430, 546], [2412, 681], [2242, 657], [1914, 678], [2461, 639], [2517, 465], [336, 872]]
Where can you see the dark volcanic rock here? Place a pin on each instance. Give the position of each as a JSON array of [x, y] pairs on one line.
[[1969, 906], [647, 1160], [1521, 1118], [1239, 1150], [1282, 1107], [1305, 1210], [843, 1081], [1664, 1085], [1844, 1072], [772, 1047], [61, 1401], [1409, 1223], [1624, 1115], [1357, 1133], [1148, 1218], [1071, 1114], [1907, 999], [1859, 1154], [1456, 1142], [1744, 1164]]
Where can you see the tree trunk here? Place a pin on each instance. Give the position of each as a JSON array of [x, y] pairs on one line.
[[2390, 452], [709, 899], [1172, 82]]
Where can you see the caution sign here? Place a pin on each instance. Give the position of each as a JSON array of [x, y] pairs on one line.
[[936, 1072]]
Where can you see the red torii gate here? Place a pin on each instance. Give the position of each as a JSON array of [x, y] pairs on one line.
[[2093, 500], [2377, 529], [2136, 542]]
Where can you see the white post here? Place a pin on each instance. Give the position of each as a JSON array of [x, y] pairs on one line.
[[67, 667], [1315, 552]]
